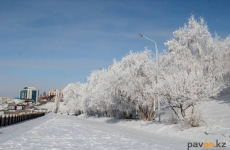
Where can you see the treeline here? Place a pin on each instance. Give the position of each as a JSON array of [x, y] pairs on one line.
[[192, 70]]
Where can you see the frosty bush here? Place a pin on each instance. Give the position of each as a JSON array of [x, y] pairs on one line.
[[194, 120]]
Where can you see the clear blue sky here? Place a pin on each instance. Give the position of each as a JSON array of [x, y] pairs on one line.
[[48, 44]]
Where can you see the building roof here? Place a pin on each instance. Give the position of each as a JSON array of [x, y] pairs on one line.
[[28, 107], [33, 88], [52, 90], [12, 104], [21, 104]]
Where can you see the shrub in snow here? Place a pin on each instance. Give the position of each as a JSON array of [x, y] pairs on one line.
[[194, 120]]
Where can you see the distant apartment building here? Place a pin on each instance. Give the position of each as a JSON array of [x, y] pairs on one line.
[[53, 93], [29, 94]]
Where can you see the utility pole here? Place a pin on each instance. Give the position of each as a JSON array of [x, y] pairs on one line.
[[159, 105]]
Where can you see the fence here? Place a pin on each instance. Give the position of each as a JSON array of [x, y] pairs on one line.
[[11, 119]]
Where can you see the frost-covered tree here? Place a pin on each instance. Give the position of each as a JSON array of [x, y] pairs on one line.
[[96, 100], [194, 42], [72, 100], [133, 78], [227, 76], [194, 66]]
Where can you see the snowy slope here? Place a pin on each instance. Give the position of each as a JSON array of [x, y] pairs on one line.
[[215, 112]]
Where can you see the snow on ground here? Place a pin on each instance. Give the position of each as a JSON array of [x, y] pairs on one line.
[[48, 105], [4, 103], [85, 132], [3, 106], [216, 114], [70, 132]]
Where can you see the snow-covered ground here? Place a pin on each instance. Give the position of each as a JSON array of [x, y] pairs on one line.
[[55, 131], [4, 103], [216, 113], [3, 106], [70, 132]]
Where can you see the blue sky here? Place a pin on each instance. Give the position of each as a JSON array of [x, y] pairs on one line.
[[48, 44]]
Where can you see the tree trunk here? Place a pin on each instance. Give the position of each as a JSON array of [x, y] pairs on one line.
[[182, 111], [146, 115], [143, 114], [106, 114]]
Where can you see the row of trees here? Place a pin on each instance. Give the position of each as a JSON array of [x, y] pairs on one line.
[[192, 70]]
